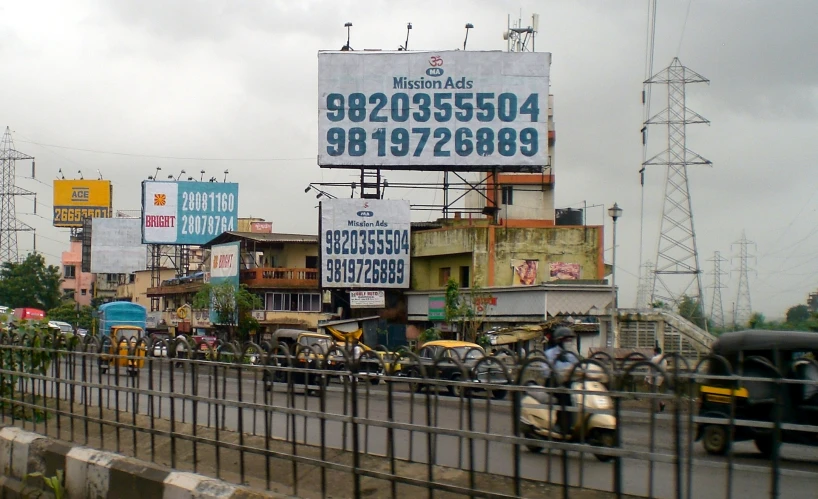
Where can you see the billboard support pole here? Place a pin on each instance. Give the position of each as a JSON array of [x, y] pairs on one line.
[[156, 280]]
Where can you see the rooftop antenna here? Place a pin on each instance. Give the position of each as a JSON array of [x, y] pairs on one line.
[[180, 174], [468, 27], [346, 47], [80, 172], [170, 177], [518, 37], [406, 44]]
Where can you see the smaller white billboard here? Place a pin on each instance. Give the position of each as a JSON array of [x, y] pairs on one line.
[[116, 246], [224, 261], [367, 299], [365, 243]]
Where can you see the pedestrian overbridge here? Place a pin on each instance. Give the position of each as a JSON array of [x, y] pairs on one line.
[[644, 328]]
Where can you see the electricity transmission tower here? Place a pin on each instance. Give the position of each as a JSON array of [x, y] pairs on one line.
[[645, 284], [9, 225], [716, 307], [744, 305], [677, 271]]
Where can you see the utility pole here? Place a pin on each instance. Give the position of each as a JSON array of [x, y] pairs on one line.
[[744, 305], [9, 224], [677, 272], [716, 307]]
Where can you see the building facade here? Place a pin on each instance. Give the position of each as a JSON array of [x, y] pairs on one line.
[[76, 285]]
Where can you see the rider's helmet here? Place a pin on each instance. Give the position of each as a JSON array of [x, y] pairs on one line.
[[563, 333]]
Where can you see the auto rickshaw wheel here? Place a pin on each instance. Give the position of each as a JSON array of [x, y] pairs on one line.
[[498, 394], [414, 386], [714, 438], [132, 372]]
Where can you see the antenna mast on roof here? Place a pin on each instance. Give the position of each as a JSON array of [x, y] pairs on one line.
[[519, 38]]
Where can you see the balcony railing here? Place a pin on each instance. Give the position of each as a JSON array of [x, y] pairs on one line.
[[275, 277]]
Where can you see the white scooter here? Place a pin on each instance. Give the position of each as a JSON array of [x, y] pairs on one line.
[[540, 411]]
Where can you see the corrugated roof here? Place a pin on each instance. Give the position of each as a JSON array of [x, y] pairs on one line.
[[227, 237]]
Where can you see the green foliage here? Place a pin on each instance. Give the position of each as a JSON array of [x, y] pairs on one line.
[[798, 314], [468, 312], [756, 321], [692, 310], [30, 283], [430, 334], [231, 304], [55, 483], [67, 312], [35, 359]]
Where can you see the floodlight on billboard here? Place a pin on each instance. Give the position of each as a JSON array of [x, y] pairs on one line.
[[76, 200], [116, 246], [188, 212], [365, 243], [449, 110]]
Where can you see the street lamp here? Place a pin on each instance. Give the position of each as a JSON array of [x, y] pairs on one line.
[[613, 339]]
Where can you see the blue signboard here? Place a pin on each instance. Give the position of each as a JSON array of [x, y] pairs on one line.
[[188, 212]]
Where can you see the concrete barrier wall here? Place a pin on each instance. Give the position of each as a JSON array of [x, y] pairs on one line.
[[94, 474]]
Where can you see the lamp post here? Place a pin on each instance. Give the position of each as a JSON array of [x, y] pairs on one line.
[[613, 339]]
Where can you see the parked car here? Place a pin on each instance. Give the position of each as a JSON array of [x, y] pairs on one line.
[[64, 327], [437, 361]]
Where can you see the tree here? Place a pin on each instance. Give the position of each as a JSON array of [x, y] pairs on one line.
[[757, 321], [798, 314], [468, 312], [232, 306], [67, 312], [30, 283], [692, 310]]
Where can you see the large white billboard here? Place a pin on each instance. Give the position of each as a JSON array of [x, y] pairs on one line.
[[455, 110], [116, 246], [365, 243]]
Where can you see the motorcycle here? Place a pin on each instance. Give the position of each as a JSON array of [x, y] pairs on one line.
[[540, 410]]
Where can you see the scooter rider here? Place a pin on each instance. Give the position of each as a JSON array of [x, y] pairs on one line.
[[563, 358]]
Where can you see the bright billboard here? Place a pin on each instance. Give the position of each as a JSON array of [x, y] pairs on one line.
[[116, 246], [224, 268], [188, 212], [365, 243], [75, 200], [453, 110]]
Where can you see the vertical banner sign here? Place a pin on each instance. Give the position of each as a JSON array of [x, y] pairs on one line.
[[365, 243], [454, 110], [224, 268], [188, 212]]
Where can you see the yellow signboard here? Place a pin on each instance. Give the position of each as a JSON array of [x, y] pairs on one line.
[[75, 200]]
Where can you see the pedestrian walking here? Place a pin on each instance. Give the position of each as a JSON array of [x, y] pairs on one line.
[[654, 378]]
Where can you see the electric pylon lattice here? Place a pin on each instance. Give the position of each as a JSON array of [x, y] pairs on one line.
[[677, 273], [716, 306], [9, 225], [744, 305]]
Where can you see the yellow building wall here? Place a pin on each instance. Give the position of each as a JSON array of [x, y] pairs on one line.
[[290, 256], [456, 246]]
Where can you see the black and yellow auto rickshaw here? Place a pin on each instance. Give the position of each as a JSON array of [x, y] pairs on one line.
[[759, 359], [123, 348]]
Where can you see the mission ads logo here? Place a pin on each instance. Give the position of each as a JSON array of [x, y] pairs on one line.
[[435, 71], [363, 214]]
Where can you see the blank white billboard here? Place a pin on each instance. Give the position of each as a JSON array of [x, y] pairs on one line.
[[116, 246]]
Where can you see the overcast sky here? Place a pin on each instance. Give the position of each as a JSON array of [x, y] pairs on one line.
[[231, 82]]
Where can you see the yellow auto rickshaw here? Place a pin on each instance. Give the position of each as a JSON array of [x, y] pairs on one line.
[[123, 348]]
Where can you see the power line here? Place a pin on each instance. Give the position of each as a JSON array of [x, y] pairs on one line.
[[684, 26], [175, 158]]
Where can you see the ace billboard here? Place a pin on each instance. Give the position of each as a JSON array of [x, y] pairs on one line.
[[455, 110], [75, 200], [188, 212], [365, 243]]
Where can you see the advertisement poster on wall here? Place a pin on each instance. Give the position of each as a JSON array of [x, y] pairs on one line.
[[563, 271], [525, 272], [224, 268]]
